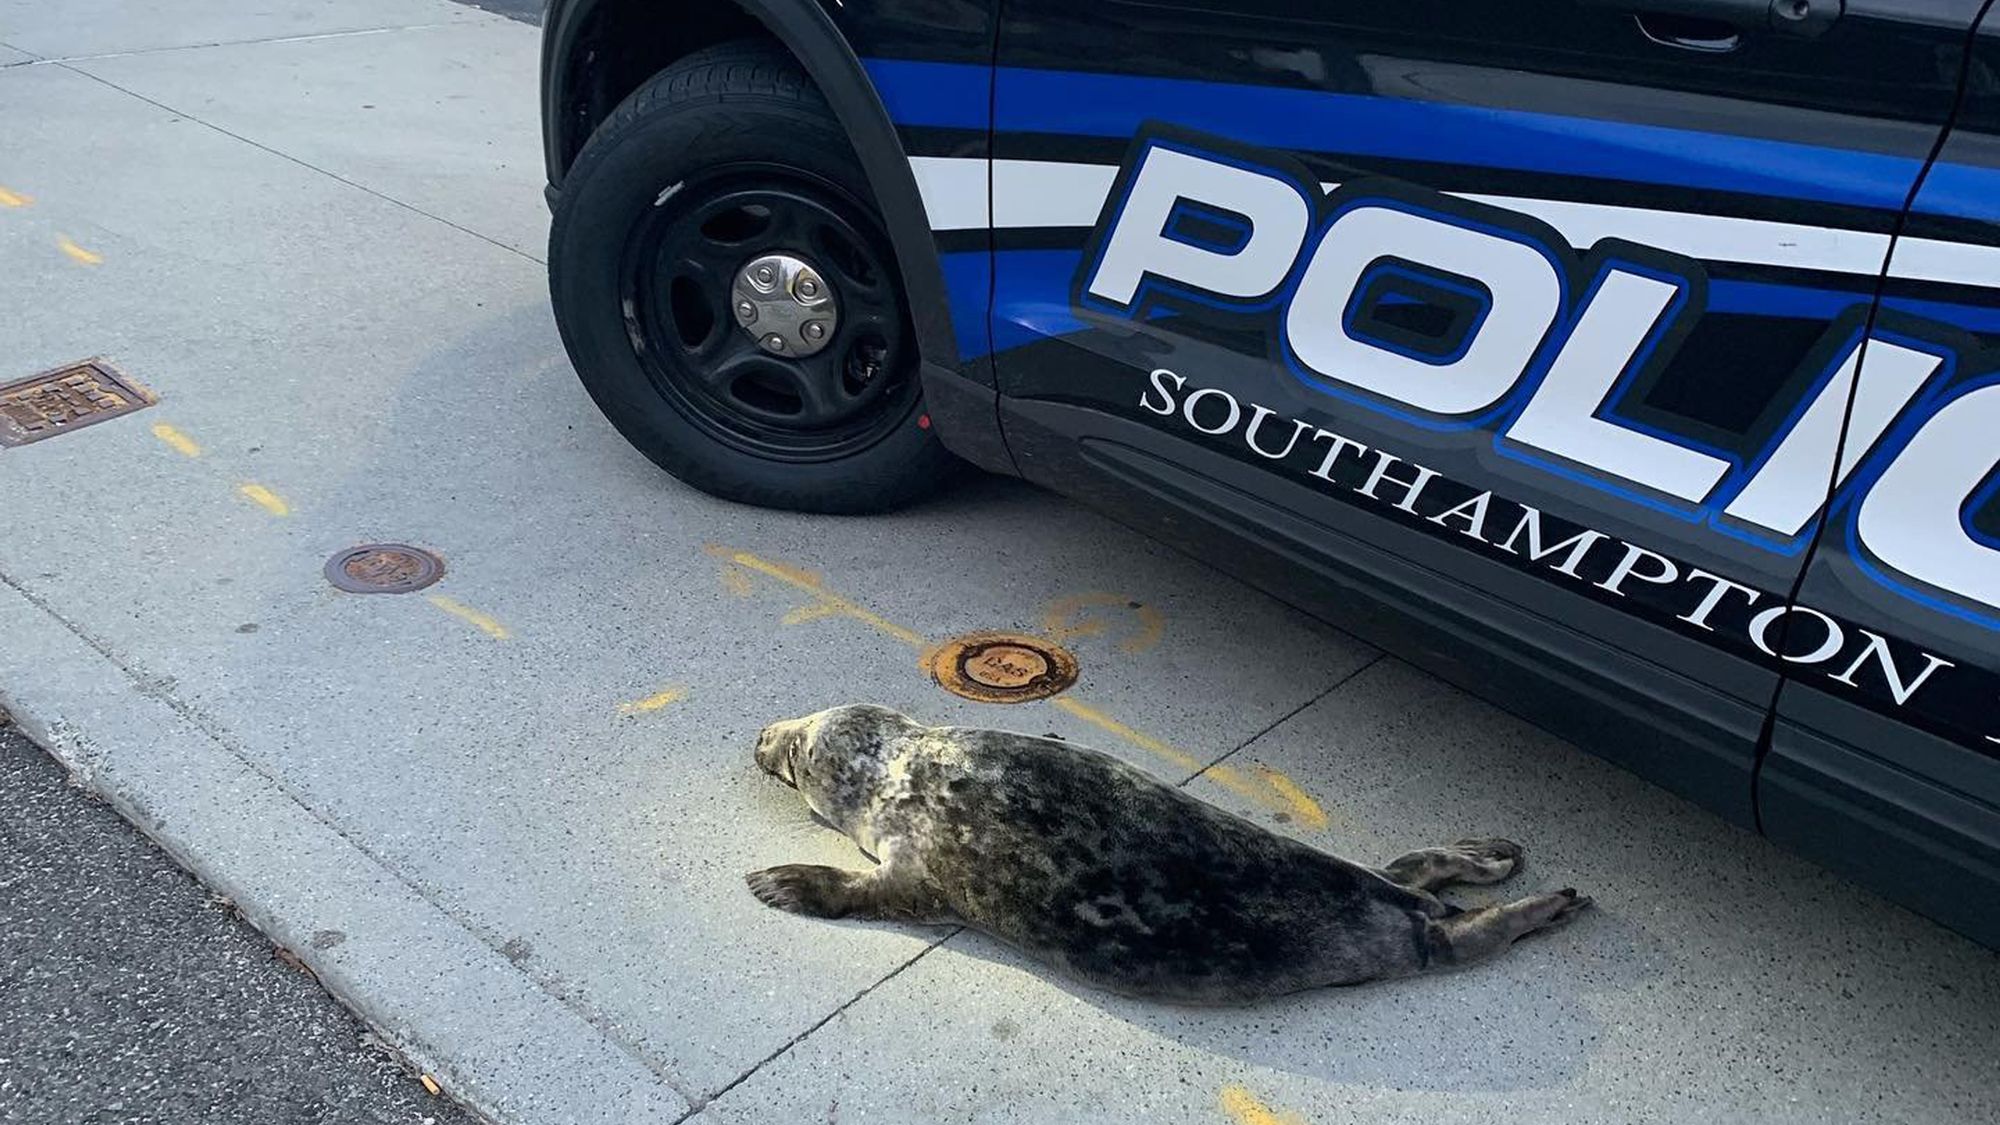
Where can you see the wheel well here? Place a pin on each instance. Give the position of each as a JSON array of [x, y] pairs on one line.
[[619, 44], [625, 42]]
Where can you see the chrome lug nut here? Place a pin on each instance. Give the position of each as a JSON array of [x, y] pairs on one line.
[[746, 312], [814, 330], [808, 287], [765, 277], [774, 342]]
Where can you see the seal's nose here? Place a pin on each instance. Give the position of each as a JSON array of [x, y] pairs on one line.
[[771, 752], [766, 740]]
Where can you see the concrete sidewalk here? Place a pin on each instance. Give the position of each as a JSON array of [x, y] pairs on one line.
[[526, 795]]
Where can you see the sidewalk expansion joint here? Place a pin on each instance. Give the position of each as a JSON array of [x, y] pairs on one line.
[[306, 164], [1281, 720], [696, 1105], [307, 38], [149, 687]]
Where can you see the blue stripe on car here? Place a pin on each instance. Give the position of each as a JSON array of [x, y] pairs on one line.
[[1112, 105], [940, 95], [956, 95]]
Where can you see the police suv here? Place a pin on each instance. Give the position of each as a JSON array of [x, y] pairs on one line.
[[1634, 363]]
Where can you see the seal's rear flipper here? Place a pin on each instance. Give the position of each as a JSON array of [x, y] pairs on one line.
[[1478, 934], [1468, 861]]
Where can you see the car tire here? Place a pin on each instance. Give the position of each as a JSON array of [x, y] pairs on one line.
[[721, 173]]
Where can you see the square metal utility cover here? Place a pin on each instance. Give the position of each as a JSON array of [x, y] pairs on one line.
[[67, 398]]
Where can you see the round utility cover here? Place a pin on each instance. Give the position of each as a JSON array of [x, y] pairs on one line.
[[1001, 667], [383, 568]]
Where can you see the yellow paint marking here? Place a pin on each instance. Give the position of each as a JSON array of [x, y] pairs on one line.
[[824, 607], [790, 575], [468, 614], [653, 702], [828, 604], [266, 499], [1244, 1108], [14, 198], [77, 253], [1304, 808], [1277, 791], [1222, 775], [1081, 616], [1145, 742], [736, 582], [177, 441]]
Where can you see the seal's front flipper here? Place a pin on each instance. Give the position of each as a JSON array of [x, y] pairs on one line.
[[828, 892], [808, 888]]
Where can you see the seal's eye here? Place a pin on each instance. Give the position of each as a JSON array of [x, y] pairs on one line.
[[777, 752]]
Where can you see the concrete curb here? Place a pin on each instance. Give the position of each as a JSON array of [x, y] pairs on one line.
[[450, 1002]]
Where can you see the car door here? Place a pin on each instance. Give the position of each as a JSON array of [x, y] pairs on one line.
[[1885, 759], [1531, 327]]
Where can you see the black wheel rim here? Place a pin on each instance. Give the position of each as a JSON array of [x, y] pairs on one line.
[[674, 290]]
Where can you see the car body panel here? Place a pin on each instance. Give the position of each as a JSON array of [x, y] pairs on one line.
[[1781, 171], [1906, 796]]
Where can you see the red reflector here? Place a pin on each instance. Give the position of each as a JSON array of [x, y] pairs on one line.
[[923, 421]]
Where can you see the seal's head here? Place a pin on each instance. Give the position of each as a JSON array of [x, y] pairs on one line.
[[834, 757]]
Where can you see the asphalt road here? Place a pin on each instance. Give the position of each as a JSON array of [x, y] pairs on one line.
[[527, 11], [129, 993]]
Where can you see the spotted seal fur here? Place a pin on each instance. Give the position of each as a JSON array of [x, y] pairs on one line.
[[1093, 866]]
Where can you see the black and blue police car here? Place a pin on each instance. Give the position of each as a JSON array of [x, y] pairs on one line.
[[1634, 363]]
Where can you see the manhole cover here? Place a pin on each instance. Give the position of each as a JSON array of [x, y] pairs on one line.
[[1002, 667], [65, 399], [383, 568]]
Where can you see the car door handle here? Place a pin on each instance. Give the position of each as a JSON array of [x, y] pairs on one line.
[[1720, 25]]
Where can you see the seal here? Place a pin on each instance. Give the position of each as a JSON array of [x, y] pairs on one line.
[[1092, 866]]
